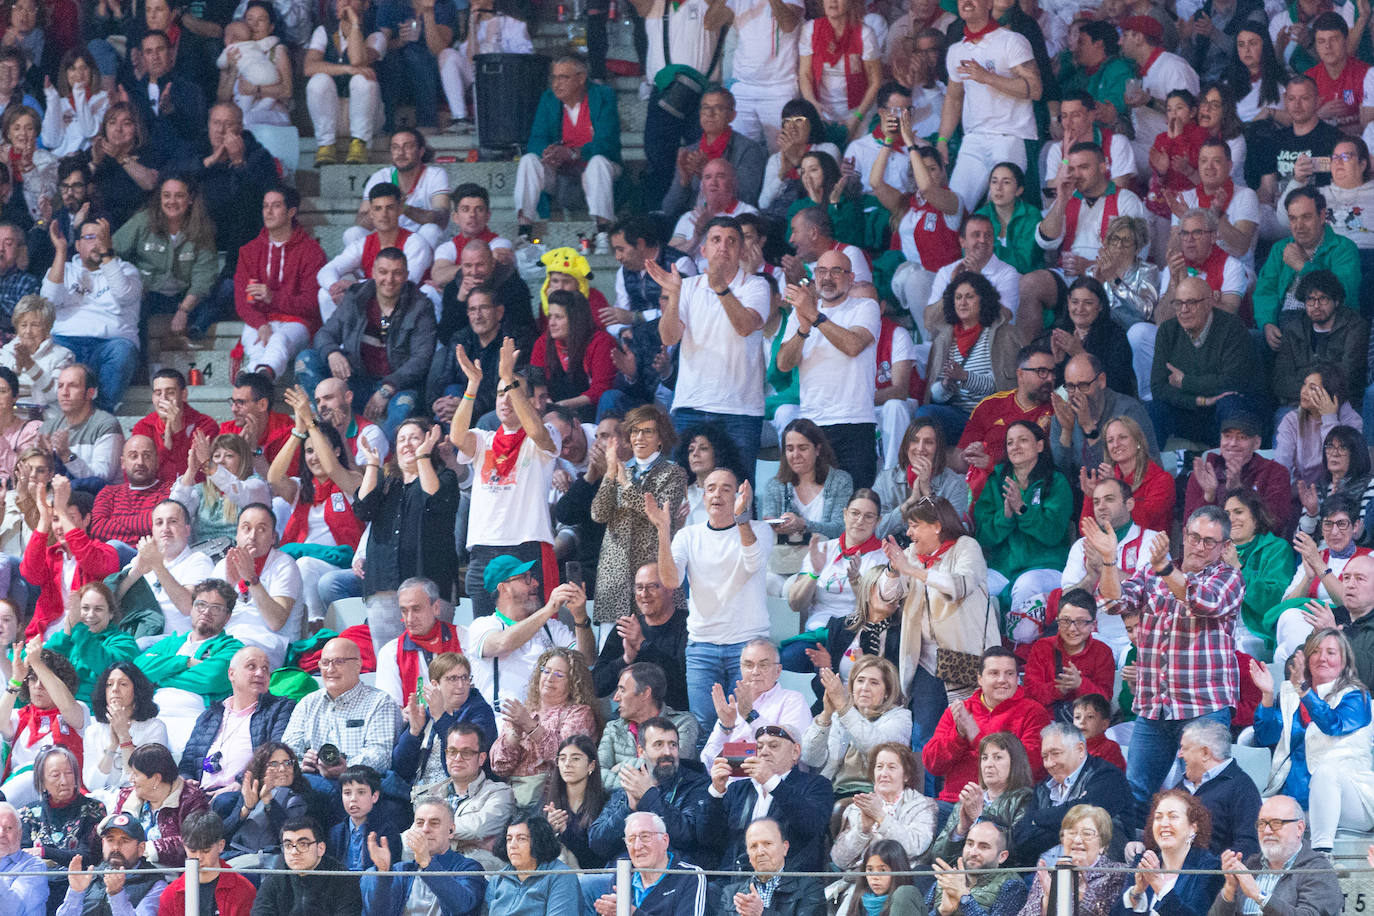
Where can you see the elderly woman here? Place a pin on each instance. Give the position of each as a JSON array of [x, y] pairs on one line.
[[1004, 793], [122, 182], [807, 496], [574, 797], [1323, 404], [63, 823], [1319, 724], [75, 106], [1266, 562], [255, 73], [1085, 834], [160, 800], [1177, 832], [33, 355], [37, 168], [701, 450], [172, 243], [89, 637], [921, 472], [631, 539], [50, 715], [974, 354], [125, 718], [272, 792], [893, 808], [823, 591], [227, 482], [853, 722], [947, 612], [1086, 326], [560, 703], [1132, 285], [534, 882], [1345, 470]]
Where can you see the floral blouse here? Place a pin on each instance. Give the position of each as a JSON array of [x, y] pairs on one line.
[[515, 756]]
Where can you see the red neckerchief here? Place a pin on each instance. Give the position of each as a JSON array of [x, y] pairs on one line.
[[867, 546], [443, 638], [16, 166], [173, 34], [792, 173], [828, 49], [1204, 200], [1150, 61], [716, 148], [505, 447], [561, 348], [41, 722], [975, 36], [259, 563], [897, 145], [965, 338], [910, 477], [1213, 269], [928, 559]]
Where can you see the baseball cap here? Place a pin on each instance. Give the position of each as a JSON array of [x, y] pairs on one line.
[[1243, 423], [1145, 25], [501, 568], [125, 822]]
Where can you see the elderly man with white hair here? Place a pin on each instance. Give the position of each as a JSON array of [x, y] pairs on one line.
[[646, 838], [1211, 774], [1075, 777], [1296, 879], [23, 877]]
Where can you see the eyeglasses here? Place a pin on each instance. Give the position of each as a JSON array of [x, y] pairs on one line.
[[552, 672], [1343, 157], [830, 271], [456, 679], [1040, 371], [1121, 241], [859, 515], [72, 185], [207, 606], [298, 845], [89, 237], [1195, 233], [1337, 524], [280, 764], [1335, 448], [1319, 299], [758, 666], [1082, 387], [1081, 833], [1275, 823], [462, 753], [1189, 303], [643, 431], [638, 839], [1081, 623], [338, 662], [240, 402], [647, 589], [1195, 539]]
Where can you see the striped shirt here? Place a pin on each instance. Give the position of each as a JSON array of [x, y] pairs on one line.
[[1265, 883], [361, 722], [978, 364], [1186, 663]]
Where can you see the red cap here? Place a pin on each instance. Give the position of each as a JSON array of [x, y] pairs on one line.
[[1145, 25]]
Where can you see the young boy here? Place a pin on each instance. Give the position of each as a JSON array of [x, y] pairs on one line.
[[1125, 698], [361, 789], [1091, 715]]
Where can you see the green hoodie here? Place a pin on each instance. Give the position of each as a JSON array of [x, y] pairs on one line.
[[209, 678], [1266, 565], [1335, 253], [91, 653], [1035, 539]]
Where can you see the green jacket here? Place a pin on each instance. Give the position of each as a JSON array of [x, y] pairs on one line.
[[1225, 361], [192, 270], [91, 653], [1266, 565], [1108, 84], [1014, 243], [1336, 253], [210, 678], [1125, 697], [1034, 539], [786, 385], [605, 114], [1009, 807]]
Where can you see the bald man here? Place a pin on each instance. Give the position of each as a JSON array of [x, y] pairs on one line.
[[830, 336], [719, 197], [1304, 881], [123, 512], [1352, 617], [334, 404], [225, 734]]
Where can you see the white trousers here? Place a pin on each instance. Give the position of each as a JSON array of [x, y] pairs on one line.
[[978, 153], [758, 112], [911, 285], [1334, 800], [288, 338], [532, 178], [894, 417], [431, 233], [1141, 337], [456, 74], [363, 109], [311, 569], [178, 709]]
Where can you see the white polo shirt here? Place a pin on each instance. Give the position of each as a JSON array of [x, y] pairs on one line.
[[718, 370], [987, 110], [836, 388]]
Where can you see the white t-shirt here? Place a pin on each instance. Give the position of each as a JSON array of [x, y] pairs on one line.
[[727, 598], [836, 388], [718, 370], [1234, 278], [686, 228], [986, 110], [190, 567], [998, 272], [1088, 234], [433, 182], [516, 667], [280, 578], [512, 509], [1121, 154], [832, 92], [689, 41], [833, 596], [1243, 206], [897, 174], [926, 107], [765, 56]]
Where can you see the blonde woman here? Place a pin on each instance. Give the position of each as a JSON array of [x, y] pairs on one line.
[[1128, 459], [228, 483], [853, 721]]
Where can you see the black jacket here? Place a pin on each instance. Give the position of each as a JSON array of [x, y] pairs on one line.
[[686, 806], [445, 378], [412, 532], [511, 292], [233, 194], [409, 343], [674, 895], [1301, 350], [1100, 784], [179, 124], [268, 723], [801, 803], [665, 646], [1234, 803], [306, 894], [792, 897]]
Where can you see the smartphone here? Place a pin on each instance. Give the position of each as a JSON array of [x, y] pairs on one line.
[[1321, 163], [772, 521], [572, 572], [736, 752]]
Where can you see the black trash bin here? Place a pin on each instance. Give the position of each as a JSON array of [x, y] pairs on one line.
[[507, 94]]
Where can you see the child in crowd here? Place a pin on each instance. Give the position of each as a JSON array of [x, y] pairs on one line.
[[1091, 715]]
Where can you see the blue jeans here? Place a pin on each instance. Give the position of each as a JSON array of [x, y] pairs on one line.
[[1200, 424], [709, 664], [338, 584], [744, 431], [928, 703], [1154, 746], [410, 74], [113, 360], [312, 368], [952, 420]]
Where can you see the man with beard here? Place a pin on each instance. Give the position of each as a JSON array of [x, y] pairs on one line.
[[1197, 254], [124, 883], [984, 440], [173, 422], [660, 783], [655, 634], [838, 368], [123, 512], [1295, 878], [196, 663], [424, 211], [1321, 336], [986, 846], [1090, 406]]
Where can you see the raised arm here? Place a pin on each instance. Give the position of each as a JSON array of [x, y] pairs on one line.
[[529, 418], [662, 521], [460, 433]]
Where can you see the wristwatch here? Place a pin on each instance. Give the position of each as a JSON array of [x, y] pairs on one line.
[[819, 320], [722, 292]]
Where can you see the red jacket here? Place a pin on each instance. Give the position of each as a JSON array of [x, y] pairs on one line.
[[1095, 663], [234, 895], [1154, 499], [597, 365], [296, 296], [41, 567], [1270, 480], [1108, 750], [279, 427], [952, 756], [171, 461]]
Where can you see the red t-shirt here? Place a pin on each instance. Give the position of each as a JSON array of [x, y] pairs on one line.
[[1108, 750], [990, 419], [1347, 88], [372, 350]]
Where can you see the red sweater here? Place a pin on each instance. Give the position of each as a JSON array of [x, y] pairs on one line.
[[41, 567], [1108, 750], [596, 363], [234, 895], [279, 427], [952, 756], [1095, 663], [1270, 481], [1154, 499], [122, 513], [295, 297], [171, 461]]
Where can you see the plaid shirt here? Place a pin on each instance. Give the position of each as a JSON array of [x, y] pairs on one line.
[[1186, 663], [15, 284], [361, 722]]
